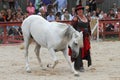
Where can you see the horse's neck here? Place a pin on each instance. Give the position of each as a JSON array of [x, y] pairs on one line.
[[59, 28]]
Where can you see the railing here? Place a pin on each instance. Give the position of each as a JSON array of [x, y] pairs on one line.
[[4, 37], [109, 21], [19, 38]]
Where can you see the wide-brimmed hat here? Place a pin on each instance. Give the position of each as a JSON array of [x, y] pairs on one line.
[[79, 7]]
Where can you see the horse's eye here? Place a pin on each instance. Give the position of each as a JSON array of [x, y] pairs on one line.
[[75, 43]]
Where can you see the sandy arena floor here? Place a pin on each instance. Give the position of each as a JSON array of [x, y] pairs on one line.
[[105, 57]]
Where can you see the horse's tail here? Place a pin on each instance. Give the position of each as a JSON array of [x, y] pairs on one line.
[[26, 26]]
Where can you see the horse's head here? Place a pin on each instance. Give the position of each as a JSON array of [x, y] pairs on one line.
[[76, 42]]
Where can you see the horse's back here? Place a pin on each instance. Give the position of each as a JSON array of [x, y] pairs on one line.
[[32, 21]]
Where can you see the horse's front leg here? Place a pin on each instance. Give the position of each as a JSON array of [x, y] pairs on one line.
[[65, 53], [53, 54]]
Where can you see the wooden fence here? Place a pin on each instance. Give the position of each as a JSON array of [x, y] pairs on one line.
[[110, 21], [5, 38]]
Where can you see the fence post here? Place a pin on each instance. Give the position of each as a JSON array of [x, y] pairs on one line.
[[5, 34]]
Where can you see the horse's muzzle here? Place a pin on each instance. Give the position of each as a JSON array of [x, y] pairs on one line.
[[74, 54]]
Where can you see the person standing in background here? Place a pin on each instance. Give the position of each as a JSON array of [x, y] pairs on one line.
[[92, 5], [11, 4], [61, 4], [46, 2]]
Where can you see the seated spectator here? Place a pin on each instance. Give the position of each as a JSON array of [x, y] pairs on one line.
[[101, 15], [111, 14], [3, 13], [105, 16], [118, 13], [51, 17], [66, 15], [93, 15], [1, 18], [19, 10], [44, 8], [42, 12], [14, 18], [30, 9], [19, 17], [9, 15], [73, 12], [25, 15], [58, 16]]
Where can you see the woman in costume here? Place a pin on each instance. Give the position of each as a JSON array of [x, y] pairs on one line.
[[81, 23]]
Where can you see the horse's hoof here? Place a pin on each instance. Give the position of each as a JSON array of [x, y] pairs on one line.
[[77, 75], [28, 71], [43, 68], [49, 65]]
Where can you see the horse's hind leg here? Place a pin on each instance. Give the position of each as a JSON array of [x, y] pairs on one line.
[[37, 51], [26, 45]]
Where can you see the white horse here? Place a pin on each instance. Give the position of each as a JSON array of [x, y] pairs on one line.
[[54, 36]]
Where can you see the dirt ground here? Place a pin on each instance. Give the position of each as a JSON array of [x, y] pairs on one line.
[[105, 58]]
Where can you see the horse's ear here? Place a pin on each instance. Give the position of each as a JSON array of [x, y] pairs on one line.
[[81, 33]]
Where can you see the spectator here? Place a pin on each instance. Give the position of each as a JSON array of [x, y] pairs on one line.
[[50, 8], [42, 12], [118, 13], [14, 18], [11, 4], [19, 10], [115, 8], [5, 3], [9, 15], [93, 16], [101, 15], [32, 1], [66, 15], [25, 15], [3, 13], [58, 16], [19, 17], [37, 5], [92, 5], [43, 8], [111, 14], [51, 17], [61, 4], [73, 12], [46, 2], [16, 4], [1, 18], [30, 9]]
